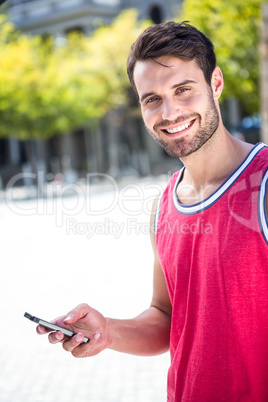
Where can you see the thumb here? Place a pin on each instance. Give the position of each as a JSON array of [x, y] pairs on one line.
[[77, 313]]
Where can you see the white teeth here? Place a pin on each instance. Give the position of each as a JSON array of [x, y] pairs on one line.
[[177, 129]]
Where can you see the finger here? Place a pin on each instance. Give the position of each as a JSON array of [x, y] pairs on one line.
[[41, 330], [73, 342], [89, 349], [78, 348], [55, 337], [78, 312]]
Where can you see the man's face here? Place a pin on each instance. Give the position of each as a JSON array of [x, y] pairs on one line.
[[177, 104]]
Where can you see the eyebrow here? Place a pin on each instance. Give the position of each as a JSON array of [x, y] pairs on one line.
[[185, 82]]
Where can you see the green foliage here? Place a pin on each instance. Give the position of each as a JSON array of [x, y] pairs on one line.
[[47, 89], [109, 47], [234, 28]]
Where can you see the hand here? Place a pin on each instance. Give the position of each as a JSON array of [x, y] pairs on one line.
[[85, 321]]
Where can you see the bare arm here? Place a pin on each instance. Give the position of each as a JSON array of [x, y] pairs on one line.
[[147, 334]]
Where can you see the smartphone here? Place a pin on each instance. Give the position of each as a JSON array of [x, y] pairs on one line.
[[54, 327]]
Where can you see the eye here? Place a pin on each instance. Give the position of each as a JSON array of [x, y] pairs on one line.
[[182, 90], [152, 99]]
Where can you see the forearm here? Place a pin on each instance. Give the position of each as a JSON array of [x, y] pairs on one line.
[[147, 334]]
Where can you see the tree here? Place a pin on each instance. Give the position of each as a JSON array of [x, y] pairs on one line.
[[43, 90], [109, 47], [48, 89], [234, 28]]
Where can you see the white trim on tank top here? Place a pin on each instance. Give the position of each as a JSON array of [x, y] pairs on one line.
[[263, 220], [209, 201]]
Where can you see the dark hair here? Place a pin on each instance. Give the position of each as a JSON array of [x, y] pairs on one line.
[[180, 40]]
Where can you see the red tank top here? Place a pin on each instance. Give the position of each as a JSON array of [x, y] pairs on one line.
[[214, 255]]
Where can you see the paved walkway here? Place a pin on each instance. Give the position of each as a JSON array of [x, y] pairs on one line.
[[56, 254]]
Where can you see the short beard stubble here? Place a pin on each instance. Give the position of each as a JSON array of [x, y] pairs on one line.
[[181, 147]]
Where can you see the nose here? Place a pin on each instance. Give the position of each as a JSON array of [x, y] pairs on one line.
[[170, 109]]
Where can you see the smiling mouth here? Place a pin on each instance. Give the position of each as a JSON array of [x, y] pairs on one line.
[[179, 128]]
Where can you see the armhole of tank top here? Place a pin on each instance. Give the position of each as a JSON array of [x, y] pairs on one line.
[[263, 219], [157, 211]]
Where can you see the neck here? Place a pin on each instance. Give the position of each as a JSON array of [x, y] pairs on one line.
[[207, 168]]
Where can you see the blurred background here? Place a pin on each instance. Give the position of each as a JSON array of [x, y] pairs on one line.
[[79, 172], [59, 252], [66, 107]]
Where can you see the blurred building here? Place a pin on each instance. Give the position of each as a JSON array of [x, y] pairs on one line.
[[60, 17], [118, 147]]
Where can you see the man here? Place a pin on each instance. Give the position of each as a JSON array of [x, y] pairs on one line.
[[210, 237]]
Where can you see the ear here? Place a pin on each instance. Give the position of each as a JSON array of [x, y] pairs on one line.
[[217, 83]]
